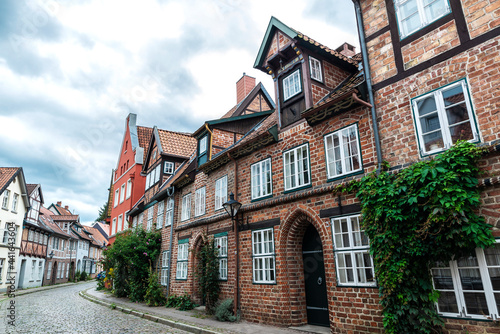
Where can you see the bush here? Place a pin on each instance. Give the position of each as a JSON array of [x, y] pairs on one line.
[[224, 311], [83, 276], [77, 276], [182, 303], [207, 273], [154, 292]]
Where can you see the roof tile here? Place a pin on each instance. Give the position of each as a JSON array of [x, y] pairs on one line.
[[177, 143], [6, 174]]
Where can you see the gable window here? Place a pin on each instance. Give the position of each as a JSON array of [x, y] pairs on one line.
[[199, 202], [263, 256], [220, 243], [186, 207], [203, 150], [220, 192], [315, 68], [5, 199], [413, 15], [164, 267], [170, 212], [291, 85], [296, 163], [343, 154], [129, 188], [159, 215], [15, 199], [261, 179], [122, 195], [443, 117], [168, 168], [182, 259], [149, 223], [470, 285], [352, 252], [117, 196]]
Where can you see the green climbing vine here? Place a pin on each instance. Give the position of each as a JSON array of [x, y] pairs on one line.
[[424, 214], [207, 272]]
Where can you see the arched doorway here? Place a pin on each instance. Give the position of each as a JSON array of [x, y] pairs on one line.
[[54, 272], [79, 266], [314, 278]]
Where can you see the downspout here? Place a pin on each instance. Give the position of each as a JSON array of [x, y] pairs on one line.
[[368, 77], [236, 236], [210, 148], [170, 194]]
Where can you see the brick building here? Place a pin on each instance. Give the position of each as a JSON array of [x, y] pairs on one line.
[[435, 76]]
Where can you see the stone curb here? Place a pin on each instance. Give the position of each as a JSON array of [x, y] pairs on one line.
[[168, 322]]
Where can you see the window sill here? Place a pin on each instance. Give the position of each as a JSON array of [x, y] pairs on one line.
[[264, 283], [6, 209], [358, 286], [361, 171], [15, 212], [297, 189], [181, 279], [261, 198]]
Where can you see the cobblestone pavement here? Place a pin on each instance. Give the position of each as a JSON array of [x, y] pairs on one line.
[[61, 310]]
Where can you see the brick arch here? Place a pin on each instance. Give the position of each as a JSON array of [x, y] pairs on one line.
[[198, 240], [291, 234]]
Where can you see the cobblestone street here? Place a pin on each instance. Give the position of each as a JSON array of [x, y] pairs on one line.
[[61, 310]]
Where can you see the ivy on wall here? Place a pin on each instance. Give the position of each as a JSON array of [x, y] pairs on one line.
[[422, 215]]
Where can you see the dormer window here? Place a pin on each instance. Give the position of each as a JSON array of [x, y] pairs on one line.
[[203, 150], [291, 85], [315, 68], [168, 168]]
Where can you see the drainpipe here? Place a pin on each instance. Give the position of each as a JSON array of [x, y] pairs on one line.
[[170, 193], [211, 137], [236, 236], [368, 77]]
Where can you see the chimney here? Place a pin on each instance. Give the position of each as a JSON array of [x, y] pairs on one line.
[[59, 203], [347, 50], [66, 207], [243, 87]]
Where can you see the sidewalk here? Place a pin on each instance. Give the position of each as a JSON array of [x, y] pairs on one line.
[[194, 321]]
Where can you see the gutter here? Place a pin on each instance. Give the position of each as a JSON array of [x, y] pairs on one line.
[[368, 78]]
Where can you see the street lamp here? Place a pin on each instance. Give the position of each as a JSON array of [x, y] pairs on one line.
[[51, 255], [232, 206]]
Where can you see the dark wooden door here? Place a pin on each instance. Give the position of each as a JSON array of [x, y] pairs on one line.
[[314, 275]]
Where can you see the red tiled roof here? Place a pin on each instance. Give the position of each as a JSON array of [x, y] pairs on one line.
[[326, 49], [6, 175], [144, 134], [99, 239], [31, 187], [177, 143], [46, 218], [64, 217]]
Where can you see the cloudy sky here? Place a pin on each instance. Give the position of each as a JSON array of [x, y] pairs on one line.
[[71, 71]]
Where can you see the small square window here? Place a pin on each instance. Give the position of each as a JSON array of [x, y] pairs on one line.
[[168, 168]]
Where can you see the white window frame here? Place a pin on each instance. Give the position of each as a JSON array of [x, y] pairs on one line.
[[149, 223], [220, 192], [164, 267], [315, 69], [220, 243], [169, 219], [119, 223], [423, 17], [261, 175], [182, 260], [263, 256], [31, 235], [346, 152], [199, 201], [351, 242], [122, 193], [301, 172], [157, 173], [203, 145], [186, 207], [49, 270], [40, 269], [459, 292], [159, 214], [290, 83], [117, 197], [129, 188], [33, 266], [444, 127], [67, 270], [15, 200], [114, 226], [5, 199], [168, 168]]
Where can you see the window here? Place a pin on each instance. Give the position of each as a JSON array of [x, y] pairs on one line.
[[117, 196], [186, 207], [157, 173], [62, 244], [129, 188], [140, 219], [15, 199], [203, 150], [33, 266], [134, 222], [199, 202], [291, 85], [55, 243], [40, 270], [315, 68], [343, 152], [58, 274], [2, 261], [415, 14], [220, 243], [182, 259], [67, 270], [122, 195], [5, 199], [296, 163], [170, 212], [62, 271], [45, 239], [164, 267], [36, 237], [261, 179], [49, 270], [220, 192], [159, 215], [168, 168], [470, 286], [113, 227], [31, 235], [443, 117], [120, 221], [352, 255], [149, 224], [263, 256]]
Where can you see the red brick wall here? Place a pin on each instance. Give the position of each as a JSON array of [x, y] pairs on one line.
[[481, 16]]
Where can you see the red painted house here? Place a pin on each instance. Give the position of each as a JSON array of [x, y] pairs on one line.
[[128, 184]]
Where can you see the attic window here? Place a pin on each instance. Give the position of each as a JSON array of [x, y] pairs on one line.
[[202, 150], [291, 85], [315, 68], [168, 168]]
